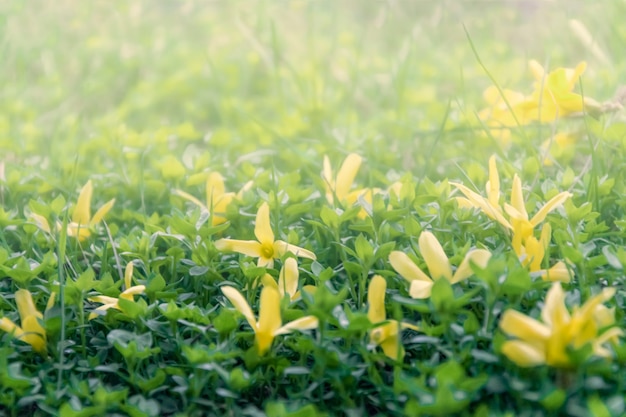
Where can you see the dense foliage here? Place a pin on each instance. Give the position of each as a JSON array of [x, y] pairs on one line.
[[312, 208]]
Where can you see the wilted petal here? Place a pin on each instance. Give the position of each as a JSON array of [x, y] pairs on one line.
[[436, 259], [346, 175], [479, 257], [420, 289], [102, 211], [282, 248], [553, 203], [82, 214], [523, 354], [523, 327], [407, 269], [303, 323], [288, 278], [246, 247], [376, 299], [240, 304]]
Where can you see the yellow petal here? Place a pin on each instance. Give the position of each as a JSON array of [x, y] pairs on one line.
[[41, 222], [558, 272], [436, 259], [392, 347], [493, 185], [604, 316], [406, 267], [240, 304], [128, 275], [553, 203], [246, 247], [420, 289], [554, 312], [102, 211], [537, 70], [215, 189], [10, 327], [523, 327], [346, 175], [523, 354], [288, 278], [303, 323], [263, 228], [376, 299], [329, 183], [517, 198], [34, 334], [268, 281], [282, 248], [82, 211], [265, 262], [610, 335], [190, 198], [478, 201], [269, 310], [480, 257], [130, 292], [25, 305]]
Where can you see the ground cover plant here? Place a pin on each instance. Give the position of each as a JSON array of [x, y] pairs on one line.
[[308, 208]]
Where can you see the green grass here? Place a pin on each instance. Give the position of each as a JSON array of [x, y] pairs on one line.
[[147, 98]]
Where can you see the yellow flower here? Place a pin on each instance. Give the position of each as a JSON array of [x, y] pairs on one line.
[[438, 265], [548, 342], [340, 187], [502, 112], [270, 322], [387, 332], [128, 294], [532, 252], [81, 218], [518, 222], [82, 222], [561, 145], [552, 97], [266, 248], [288, 281], [217, 199], [31, 331]]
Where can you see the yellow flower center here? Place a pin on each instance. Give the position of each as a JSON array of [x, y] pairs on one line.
[[267, 250]]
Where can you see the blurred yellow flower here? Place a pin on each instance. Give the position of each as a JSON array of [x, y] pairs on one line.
[[81, 220], [548, 342], [532, 253], [270, 322], [339, 187], [217, 199], [128, 294], [552, 97], [386, 334], [266, 248], [31, 331], [438, 265], [518, 222]]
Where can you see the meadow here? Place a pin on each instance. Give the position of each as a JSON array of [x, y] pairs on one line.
[[312, 208]]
